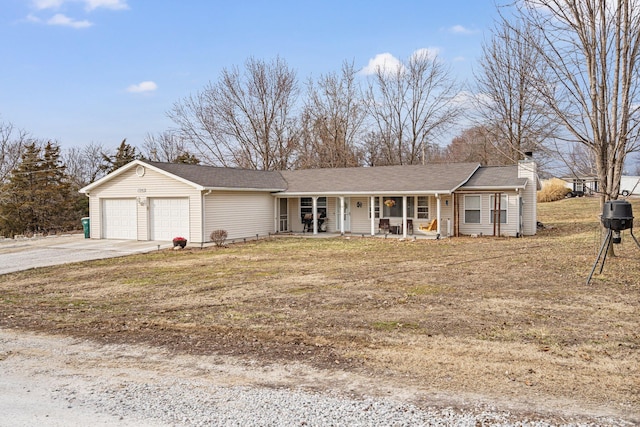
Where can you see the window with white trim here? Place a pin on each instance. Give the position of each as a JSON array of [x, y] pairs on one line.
[[376, 207], [423, 207], [411, 206], [502, 208], [472, 209], [306, 207]]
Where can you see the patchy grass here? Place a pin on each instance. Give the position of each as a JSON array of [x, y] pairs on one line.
[[500, 317]]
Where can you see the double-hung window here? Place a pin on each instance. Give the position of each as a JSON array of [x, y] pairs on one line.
[[472, 209], [306, 206], [376, 207], [423, 207]]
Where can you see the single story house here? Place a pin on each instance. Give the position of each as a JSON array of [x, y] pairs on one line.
[[159, 201]]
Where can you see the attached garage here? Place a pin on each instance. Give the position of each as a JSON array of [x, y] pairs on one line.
[[168, 218], [119, 219]]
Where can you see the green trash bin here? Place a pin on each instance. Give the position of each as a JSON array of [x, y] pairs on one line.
[[85, 226]]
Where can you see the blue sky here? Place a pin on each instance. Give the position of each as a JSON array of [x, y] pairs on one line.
[[81, 71]]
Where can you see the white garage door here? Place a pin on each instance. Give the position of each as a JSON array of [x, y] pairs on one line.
[[119, 219], [168, 218]]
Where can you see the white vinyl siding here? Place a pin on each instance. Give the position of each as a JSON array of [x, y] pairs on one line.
[[119, 219], [240, 214], [168, 218]]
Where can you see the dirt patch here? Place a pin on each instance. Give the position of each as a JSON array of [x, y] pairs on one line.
[[507, 319]]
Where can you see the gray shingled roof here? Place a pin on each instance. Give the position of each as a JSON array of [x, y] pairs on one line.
[[495, 177], [433, 178], [218, 177]]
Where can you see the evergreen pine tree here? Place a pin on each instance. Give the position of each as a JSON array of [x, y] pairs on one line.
[[38, 197], [124, 154]]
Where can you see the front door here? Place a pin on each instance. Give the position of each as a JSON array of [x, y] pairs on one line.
[[347, 214]]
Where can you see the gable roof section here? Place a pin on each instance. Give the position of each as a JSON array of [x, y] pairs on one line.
[[413, 179], [205, 177], [213, 177], [495, 177]]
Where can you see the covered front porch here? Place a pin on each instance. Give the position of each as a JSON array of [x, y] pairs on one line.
[[400, 215]]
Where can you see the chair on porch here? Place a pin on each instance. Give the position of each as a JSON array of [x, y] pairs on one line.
[[410, 226], [384, 225], [307, 220]]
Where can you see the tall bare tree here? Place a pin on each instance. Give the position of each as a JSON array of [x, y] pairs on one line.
[[508, 109], [12, 142], [410, 105], [169, 147], [332, 119], [245, 119], [592, 49], [84, 164], [478, 144]]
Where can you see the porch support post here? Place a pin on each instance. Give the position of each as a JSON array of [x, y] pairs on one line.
[[315, 214], [342, 215], [404, 217], [438, 213], [372, 210]]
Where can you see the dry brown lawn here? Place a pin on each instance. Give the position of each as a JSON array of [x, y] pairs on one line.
[[501, 319]]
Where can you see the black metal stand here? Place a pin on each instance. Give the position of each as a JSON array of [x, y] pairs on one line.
[[608, 240]]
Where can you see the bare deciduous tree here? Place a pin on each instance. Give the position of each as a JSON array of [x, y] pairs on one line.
[[168, 147], [12, 142], [245, 119], [478, 144], [592, 49], [410, 106], [332, 121], [84, 164], [508, 108]]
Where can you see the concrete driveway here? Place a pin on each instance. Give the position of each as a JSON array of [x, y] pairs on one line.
[[23, 254]]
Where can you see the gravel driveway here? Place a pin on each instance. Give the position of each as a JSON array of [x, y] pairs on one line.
[[24, 254]]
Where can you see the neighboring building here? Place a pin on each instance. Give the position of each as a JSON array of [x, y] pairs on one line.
[[581, 185], [159, 201], [588, 185]]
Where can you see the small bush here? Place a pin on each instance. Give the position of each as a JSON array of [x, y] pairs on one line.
[[218, 237], [552, 190]]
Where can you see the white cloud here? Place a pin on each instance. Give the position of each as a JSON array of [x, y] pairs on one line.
[[88, 4], [47, 4], [459, 29], [147, 86], [107, 4], [426, 53], [62, 20], [384, 62]]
